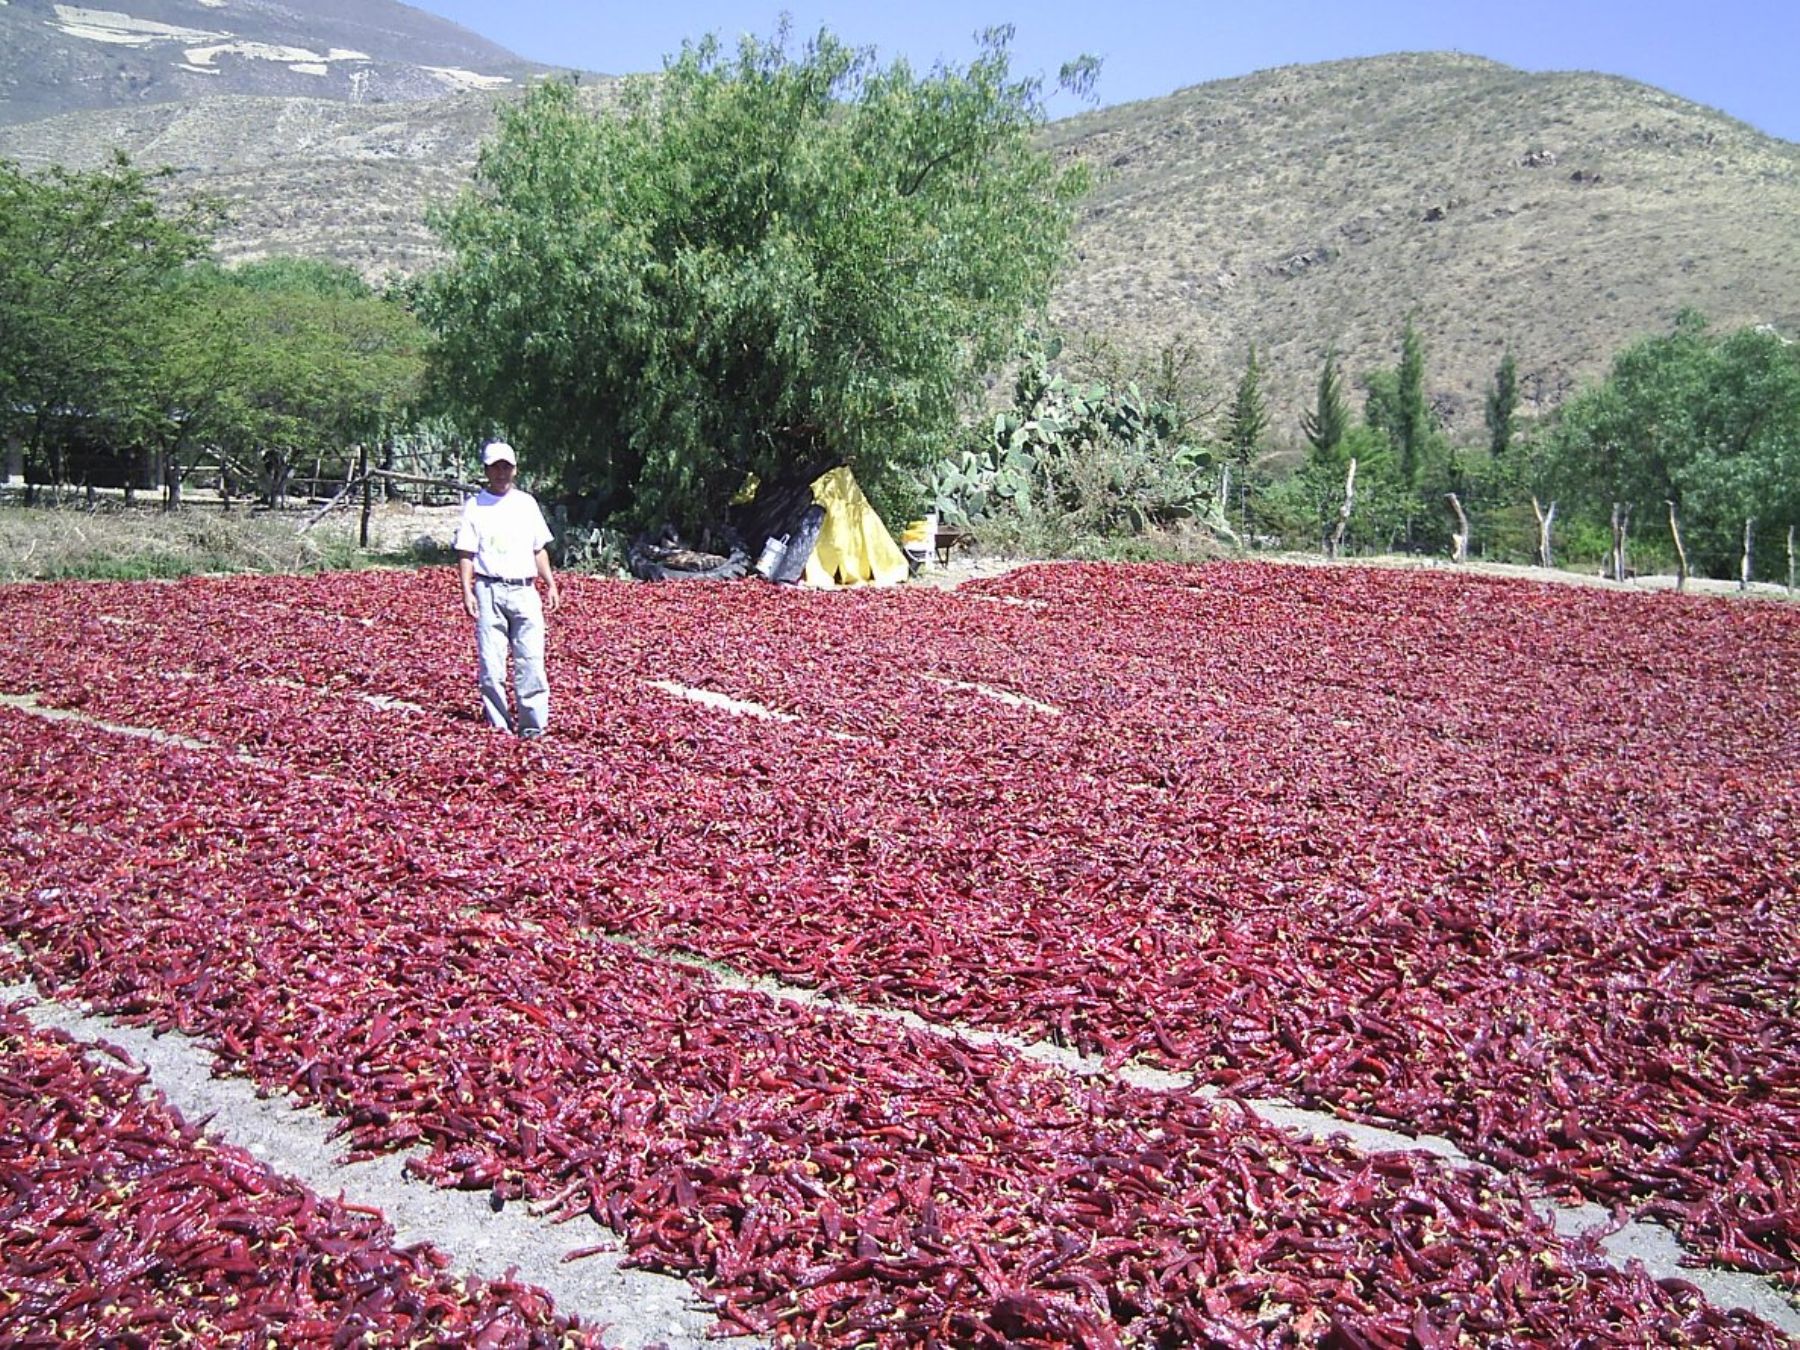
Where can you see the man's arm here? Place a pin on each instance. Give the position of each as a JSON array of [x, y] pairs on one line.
[[465, 569], [552, 593]]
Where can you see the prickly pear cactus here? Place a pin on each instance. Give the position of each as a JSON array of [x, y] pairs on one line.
[[1046, 453]]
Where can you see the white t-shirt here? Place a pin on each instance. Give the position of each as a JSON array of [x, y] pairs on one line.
[[503, 533]]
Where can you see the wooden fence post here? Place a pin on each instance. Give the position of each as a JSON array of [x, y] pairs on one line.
[[1337, 535], [1459, 548], [1681, 566]]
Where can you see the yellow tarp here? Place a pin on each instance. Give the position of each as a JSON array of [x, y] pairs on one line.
[[854, 548]]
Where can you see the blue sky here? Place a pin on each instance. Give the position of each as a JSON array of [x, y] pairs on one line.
[[1741, 56]]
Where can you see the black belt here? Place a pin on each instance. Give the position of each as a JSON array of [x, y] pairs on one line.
[[503, 581]]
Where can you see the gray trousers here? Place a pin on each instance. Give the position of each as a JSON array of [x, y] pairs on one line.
[[509, 616]]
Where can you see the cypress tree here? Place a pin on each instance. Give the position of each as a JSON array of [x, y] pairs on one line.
[[1329, 419], [1502, 402], [1412, 418], [1249, 415]]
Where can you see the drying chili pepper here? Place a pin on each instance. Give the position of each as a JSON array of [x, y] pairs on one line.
[[130, 1227], [1414, 880]]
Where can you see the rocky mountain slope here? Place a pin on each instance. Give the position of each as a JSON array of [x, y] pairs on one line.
[[65, 58], [1556, 216]]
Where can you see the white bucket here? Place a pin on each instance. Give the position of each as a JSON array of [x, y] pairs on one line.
[[774, 553]]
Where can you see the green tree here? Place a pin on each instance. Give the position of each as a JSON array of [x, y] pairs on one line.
[[1397, 410], [181, 376], [1412, 421], [268, 363], [1249, 419], [758, 264], [1304, 507], [84, 258], [283, 275], [1711, 424], [324, 363], [1502, 405], [1329, 419], [1396, 407]]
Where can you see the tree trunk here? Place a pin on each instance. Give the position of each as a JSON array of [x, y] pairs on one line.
[[1790, 562], [171, 476], [1749, 536], [15, 460], [1621, 529], [49, 452], [281, 469], [1545, 519], [368, 502], [142, 473], [1681, 566], [1459, 548], [1337, 535]]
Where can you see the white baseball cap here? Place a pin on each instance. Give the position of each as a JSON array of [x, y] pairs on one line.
[[498, 452]]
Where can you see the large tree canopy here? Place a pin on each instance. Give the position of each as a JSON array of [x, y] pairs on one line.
[[84, 258], [755, 264], [1709, 423], [264, 365], [115, 332]]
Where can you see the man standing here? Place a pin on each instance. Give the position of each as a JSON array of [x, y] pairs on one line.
[[500, 552]]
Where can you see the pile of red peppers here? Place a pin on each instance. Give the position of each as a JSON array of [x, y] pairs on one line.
[[122, 1225], [1506, 862]]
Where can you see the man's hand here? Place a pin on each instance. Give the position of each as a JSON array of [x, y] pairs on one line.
[[473, 610], [552, 597]]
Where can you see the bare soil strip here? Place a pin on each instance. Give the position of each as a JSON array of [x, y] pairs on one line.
[[598, 1290], [382, 702], [710, 698], [724, 703], [28, 703]]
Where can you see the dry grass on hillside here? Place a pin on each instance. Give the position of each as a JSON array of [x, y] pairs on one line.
[[1556, 216]]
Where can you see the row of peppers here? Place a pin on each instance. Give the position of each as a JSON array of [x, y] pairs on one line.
[[121, 1224], [1540, 925], [834, 1180]]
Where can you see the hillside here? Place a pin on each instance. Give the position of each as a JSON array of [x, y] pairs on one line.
[[1555, 215], [308, 176], [66, 58]]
